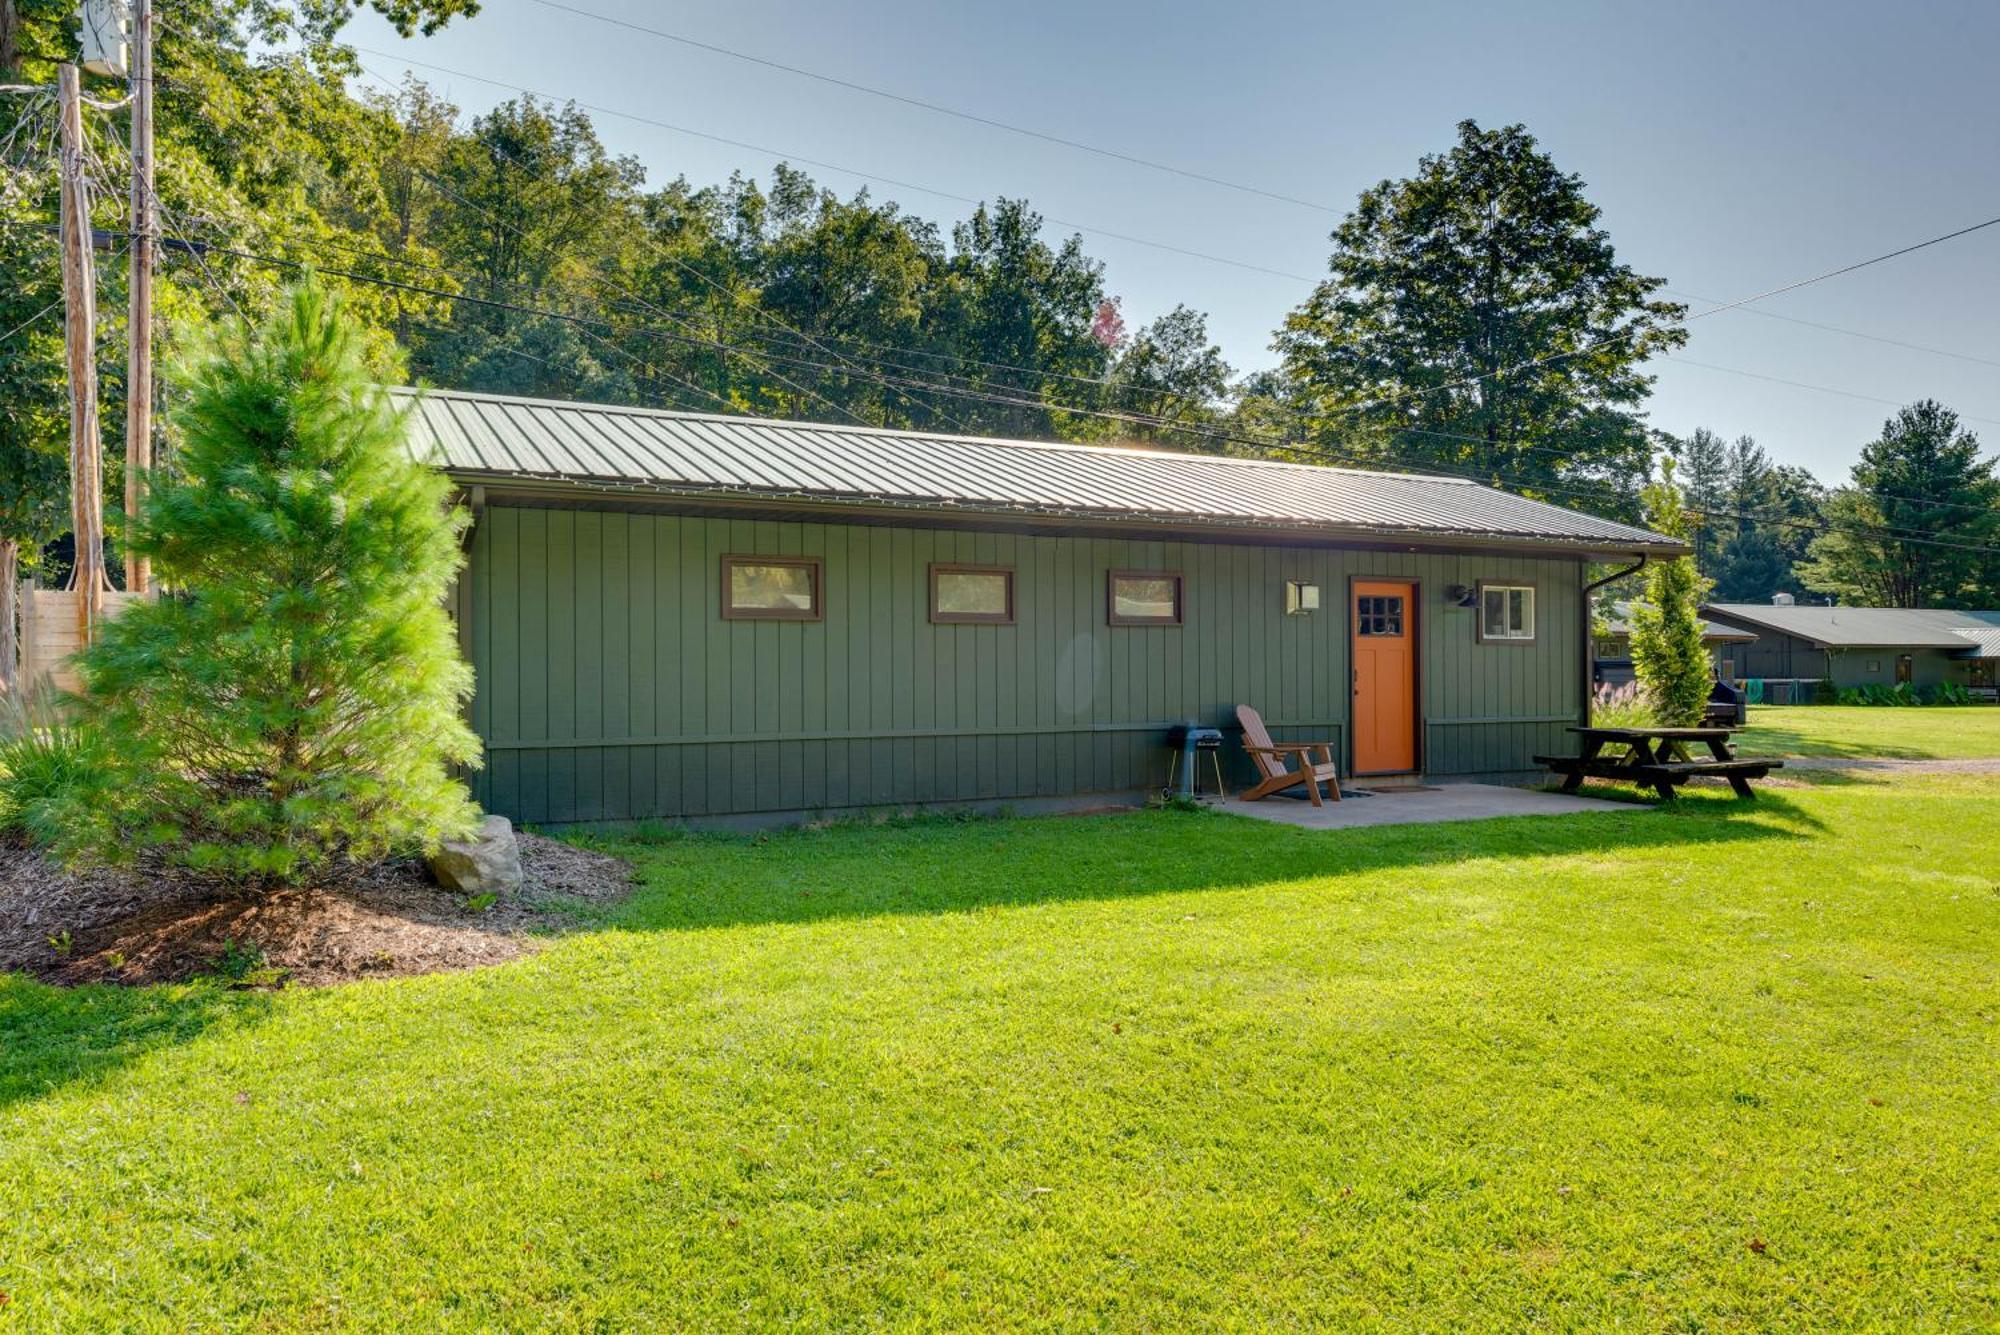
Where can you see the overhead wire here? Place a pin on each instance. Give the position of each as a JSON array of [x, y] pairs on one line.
[[1678, 360], [735, 295], [941, 109], [1364, 461], [1417, 392], [1850, 333], [32, 320], [782, 156]]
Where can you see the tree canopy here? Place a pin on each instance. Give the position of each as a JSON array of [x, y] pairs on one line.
[[1477, 317], [1917, 522]]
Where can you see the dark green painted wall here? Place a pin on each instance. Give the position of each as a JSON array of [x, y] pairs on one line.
[[610, 687], [1777, 655]]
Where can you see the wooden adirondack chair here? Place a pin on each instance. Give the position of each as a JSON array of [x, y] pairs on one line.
[[1270, 757]]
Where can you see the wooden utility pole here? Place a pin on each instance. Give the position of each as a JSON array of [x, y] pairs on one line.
[[139, 346], [86, 464]]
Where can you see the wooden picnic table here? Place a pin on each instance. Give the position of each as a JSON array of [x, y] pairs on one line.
[[1658, 758]]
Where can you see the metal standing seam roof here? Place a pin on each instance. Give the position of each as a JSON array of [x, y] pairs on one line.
[[1873, 627], [1620, 623], [501, 439]]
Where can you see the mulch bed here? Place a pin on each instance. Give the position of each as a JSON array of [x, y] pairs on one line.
[[102, 926]]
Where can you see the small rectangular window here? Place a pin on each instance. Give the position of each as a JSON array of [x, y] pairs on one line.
[[974, 595], [1145, 598], [772, 588], [1507, 613]]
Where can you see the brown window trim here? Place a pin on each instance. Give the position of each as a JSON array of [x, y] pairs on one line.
[[1507, 641], [941, 618], [1179, 618], [818, 611]]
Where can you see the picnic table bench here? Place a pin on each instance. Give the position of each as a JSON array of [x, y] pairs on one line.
[[1658, 758]]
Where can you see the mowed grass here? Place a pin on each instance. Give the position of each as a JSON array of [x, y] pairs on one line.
[[1725, 1067], [1913, 732]]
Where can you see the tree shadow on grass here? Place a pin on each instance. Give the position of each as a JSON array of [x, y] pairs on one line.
[[53, 1037], [934, 865], [1768, 739]]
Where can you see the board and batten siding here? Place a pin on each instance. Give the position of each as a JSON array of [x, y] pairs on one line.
[[610, 687]]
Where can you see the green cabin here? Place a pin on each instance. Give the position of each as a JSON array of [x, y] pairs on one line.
[[1862, 646], [726, 620]]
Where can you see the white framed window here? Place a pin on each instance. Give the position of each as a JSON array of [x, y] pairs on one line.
[[1507, 613]]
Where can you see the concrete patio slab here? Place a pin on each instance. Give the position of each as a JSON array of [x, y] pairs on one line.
[[1421, 806]]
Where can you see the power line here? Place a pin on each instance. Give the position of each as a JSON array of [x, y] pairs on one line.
[[782, 156], [1684, 321], [734, 294], [1905, 535], [1820, 389], [812, 394], [38, 316], [943, 110], [1262, 443], [1348, 409], [1850, 333]]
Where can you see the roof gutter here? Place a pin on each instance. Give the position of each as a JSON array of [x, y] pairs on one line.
[[1589, 649]]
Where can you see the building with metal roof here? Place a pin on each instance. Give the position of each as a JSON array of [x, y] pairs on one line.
[[717, 619], [603, 449], [1859, 646]]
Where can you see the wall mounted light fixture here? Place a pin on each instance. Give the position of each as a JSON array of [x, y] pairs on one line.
[[1300, 598]]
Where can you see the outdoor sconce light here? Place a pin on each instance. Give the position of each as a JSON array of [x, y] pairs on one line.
[[1300, 598], [1461, 595]]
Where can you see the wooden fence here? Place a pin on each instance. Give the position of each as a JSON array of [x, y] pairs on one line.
[[48, 631]]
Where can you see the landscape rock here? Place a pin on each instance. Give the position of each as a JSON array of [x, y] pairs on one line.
[[487, 863]]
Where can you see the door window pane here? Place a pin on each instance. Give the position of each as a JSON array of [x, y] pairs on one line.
[[1378, 615]]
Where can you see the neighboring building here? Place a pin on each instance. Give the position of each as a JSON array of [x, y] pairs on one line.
[[1859, 646], [678, 615], [1614, 644]]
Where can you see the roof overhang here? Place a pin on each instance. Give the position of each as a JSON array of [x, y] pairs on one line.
[[522, 489]]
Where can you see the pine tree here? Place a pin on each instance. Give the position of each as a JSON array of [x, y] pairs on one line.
[[293, 709], [1668, 655], [1702, 461]]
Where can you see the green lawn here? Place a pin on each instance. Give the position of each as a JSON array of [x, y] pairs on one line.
[[1717, 1068], [1917, 732]]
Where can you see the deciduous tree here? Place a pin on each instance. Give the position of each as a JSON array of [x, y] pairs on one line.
[[1920, 521], [1478, 318]]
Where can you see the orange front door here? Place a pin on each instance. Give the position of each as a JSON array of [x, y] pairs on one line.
[[1384, 618]]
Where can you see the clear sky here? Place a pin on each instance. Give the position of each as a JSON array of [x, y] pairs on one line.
[[1733, 148]]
